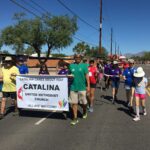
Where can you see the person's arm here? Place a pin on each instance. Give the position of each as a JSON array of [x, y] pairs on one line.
[[1, 78]]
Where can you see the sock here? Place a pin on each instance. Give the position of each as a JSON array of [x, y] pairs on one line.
[[137, 111]]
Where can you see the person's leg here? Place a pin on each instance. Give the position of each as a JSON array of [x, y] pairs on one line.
[[128, 94], [83, 99], [137, 104], [3, 105], [74, 104], [113, 92], [13, 97], [143, 99], [75, 110], [92, 96]]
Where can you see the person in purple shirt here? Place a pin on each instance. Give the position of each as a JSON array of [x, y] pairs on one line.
[[114, 75], [107, 68], [43, 70]]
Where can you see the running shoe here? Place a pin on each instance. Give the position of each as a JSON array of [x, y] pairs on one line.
[[137, 118], [91, 109], [74, 121], [84, 116], [145, 113]]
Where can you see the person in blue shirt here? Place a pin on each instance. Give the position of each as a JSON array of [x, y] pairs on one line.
[[23, 69], [128, 78]]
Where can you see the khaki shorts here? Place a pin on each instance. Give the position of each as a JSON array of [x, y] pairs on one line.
[[76, 97]]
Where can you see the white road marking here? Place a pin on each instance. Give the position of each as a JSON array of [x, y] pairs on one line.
[[43, 119]]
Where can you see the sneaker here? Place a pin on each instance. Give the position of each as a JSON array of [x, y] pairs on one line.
[[84, 116], [145, 113], [74, 121], [91, 109], [137, 118], [1, 116]]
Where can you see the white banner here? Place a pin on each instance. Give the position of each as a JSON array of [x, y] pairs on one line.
[[42, 92]]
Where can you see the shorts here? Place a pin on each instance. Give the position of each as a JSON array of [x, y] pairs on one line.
[[115, 84], [92, 85], [76, 97], [141, 96], [12, 95]]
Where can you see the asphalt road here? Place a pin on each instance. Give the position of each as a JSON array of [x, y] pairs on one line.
[[109, 127]]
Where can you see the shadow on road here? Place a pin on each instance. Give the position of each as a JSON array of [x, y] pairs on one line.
[[125, 110]]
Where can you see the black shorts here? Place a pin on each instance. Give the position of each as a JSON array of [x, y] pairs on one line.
[[12, 95], [92, 85]]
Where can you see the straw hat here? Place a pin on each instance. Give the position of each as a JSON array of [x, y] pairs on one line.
[[139, 72], [8, 59]]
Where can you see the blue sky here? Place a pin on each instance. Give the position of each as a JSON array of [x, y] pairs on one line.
[[130, 20]]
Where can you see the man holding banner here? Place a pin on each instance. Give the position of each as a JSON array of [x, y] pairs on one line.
[[78, 89]]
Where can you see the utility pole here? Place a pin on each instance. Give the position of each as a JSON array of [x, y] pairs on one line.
[[115, 48], [100, 30], [118, 50], [111, 39]]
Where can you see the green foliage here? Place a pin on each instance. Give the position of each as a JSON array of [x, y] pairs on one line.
[[55, 32], [4, 52], [145, 57], [81, 48], [94, 52], [58, 55]]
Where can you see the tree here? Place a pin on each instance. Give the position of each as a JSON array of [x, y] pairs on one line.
[[81, 48], [55, 32], [94, 52], [58, 55]]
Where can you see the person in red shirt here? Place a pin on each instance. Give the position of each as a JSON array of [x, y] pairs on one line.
[[93, 74]]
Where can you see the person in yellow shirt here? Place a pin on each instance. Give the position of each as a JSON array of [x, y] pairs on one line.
[[9, 72]]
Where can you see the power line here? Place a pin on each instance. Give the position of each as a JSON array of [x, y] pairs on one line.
[[84, 41], [77, 15], [27, 3], [43, 9], [29, 11]]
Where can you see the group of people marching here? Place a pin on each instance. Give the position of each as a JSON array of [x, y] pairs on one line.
[[135, 84], [82, 83]]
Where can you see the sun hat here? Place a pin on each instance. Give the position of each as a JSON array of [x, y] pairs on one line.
[[139, 72], [131, 61], [115, 62], [8, 59]]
